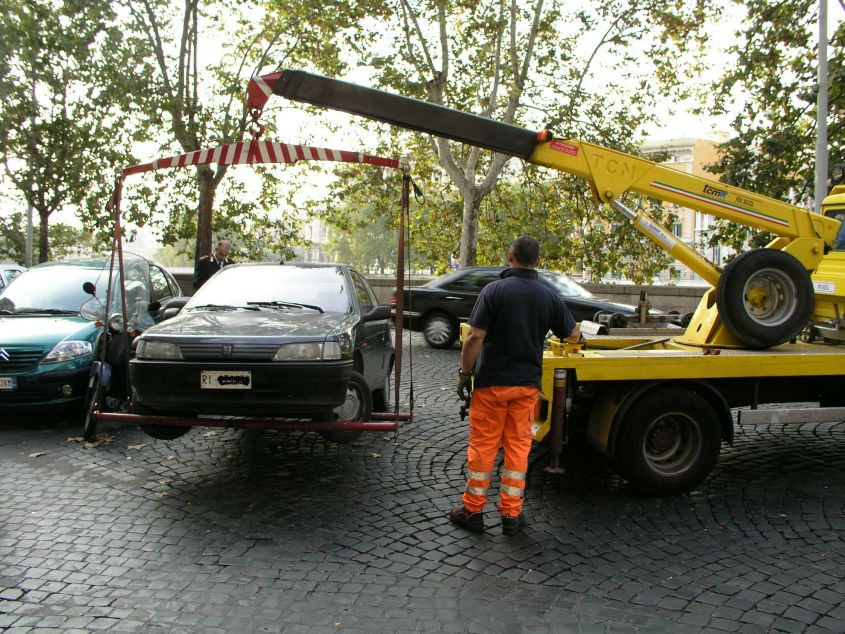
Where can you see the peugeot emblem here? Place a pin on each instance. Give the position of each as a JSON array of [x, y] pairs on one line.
[[227, 349], [4, 356]]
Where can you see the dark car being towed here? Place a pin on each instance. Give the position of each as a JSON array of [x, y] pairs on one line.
[[439, 306], [269, 340]]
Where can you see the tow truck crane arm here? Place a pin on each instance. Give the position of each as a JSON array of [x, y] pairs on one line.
[[762, 298]]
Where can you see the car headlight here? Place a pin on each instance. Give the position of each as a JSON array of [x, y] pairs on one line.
[[67, 350], [311, 351], [116, 322], [162, 350]]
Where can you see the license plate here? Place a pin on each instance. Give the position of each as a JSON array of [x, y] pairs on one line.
[[8, 383], [226, 380]]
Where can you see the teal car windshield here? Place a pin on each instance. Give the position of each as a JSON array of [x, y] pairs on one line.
[[53, 289]]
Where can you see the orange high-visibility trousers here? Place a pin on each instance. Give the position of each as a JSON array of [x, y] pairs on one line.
[[499, 417]]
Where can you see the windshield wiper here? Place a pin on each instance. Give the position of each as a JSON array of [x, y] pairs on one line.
[[45, 311], [221, 307], [285, 305]]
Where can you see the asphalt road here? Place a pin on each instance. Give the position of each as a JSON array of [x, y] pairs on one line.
[[233, 531]]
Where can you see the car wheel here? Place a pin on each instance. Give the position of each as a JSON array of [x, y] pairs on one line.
[[765, 297], [382, 397], [159, 432], [669, 441], [93, 399], [357, 406], [439, 330]]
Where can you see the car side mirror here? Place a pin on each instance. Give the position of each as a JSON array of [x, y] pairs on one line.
[[378, 314], [173, 307], [89, 288]]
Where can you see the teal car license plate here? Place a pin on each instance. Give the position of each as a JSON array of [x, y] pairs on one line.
[[8, 383]]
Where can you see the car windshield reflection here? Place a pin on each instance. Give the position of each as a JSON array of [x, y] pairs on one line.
[[51, 290], [287, 286], [564, 285]]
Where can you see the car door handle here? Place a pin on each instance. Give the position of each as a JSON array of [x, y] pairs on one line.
[[451, 297]]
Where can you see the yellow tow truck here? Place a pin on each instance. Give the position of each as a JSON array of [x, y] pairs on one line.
[[659, 406]]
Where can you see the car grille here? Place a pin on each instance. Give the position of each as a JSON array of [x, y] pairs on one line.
[[20, 358], [225, 351]]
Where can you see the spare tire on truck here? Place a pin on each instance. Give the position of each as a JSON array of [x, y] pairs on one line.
[[765, 297]]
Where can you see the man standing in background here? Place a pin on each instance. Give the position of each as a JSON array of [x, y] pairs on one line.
[[208, 265]]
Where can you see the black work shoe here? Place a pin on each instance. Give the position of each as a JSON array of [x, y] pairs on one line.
[[459, 516], [511, 525]]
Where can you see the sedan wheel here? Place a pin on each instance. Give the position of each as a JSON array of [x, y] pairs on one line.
[[439, 330], [356, 407]]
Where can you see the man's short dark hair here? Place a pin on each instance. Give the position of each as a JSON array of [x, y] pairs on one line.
[[525, 250]]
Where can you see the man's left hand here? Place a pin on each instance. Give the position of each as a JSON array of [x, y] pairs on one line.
[[464, 385]]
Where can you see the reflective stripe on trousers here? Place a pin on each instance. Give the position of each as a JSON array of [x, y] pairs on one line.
[[499, 417]]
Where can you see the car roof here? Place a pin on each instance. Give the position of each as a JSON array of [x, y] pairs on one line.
[[91, 262], [307, 265]]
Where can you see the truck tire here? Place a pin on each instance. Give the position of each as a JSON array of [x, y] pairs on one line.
[[668, 441], [439, 330], [357, 407], [765, 297]]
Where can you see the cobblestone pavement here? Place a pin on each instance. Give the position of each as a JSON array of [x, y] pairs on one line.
[[233, 531]]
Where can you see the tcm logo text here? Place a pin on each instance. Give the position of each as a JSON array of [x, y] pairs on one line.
[[712, 191]]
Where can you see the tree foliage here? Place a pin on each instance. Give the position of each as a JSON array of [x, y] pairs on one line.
[[773, 151], [63, 104], [64, 240], [201, 56], [527, 64]]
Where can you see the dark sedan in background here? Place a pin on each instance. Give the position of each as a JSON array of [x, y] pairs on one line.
[[439, 306], [269, 340]]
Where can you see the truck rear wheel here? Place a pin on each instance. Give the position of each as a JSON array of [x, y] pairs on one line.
[[669, 441], [765, 297]]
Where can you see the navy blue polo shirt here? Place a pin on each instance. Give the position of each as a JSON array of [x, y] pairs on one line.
[[517, 313]]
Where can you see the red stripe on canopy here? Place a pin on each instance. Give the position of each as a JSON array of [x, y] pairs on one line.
[[252, 152]]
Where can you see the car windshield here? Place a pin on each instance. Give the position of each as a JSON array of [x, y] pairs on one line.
[[251, 286], [52, 289], [564, 285]]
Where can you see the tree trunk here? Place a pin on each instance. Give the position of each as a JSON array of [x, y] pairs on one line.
[[469, 227], [207, 187], [43, 235]]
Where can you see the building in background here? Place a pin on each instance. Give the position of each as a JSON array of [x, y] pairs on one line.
[[318, 233], [690, 155]]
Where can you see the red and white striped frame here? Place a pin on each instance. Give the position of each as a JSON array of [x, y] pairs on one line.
[[256, 151]]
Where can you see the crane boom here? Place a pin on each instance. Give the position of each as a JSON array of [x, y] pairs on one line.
[[775, 293]]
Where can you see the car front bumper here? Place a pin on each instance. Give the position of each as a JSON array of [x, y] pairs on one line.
[[275, 389], [41, 387]]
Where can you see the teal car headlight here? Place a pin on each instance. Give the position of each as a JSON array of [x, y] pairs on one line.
[[159, 350], [310, 351], [67, 350]]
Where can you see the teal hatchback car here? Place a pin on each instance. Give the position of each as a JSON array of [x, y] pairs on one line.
[[46, 345]]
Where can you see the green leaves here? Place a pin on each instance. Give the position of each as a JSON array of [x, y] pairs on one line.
[[774, 150]]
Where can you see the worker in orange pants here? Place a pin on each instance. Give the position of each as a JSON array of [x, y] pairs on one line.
[[499, 417], [501, 360]]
